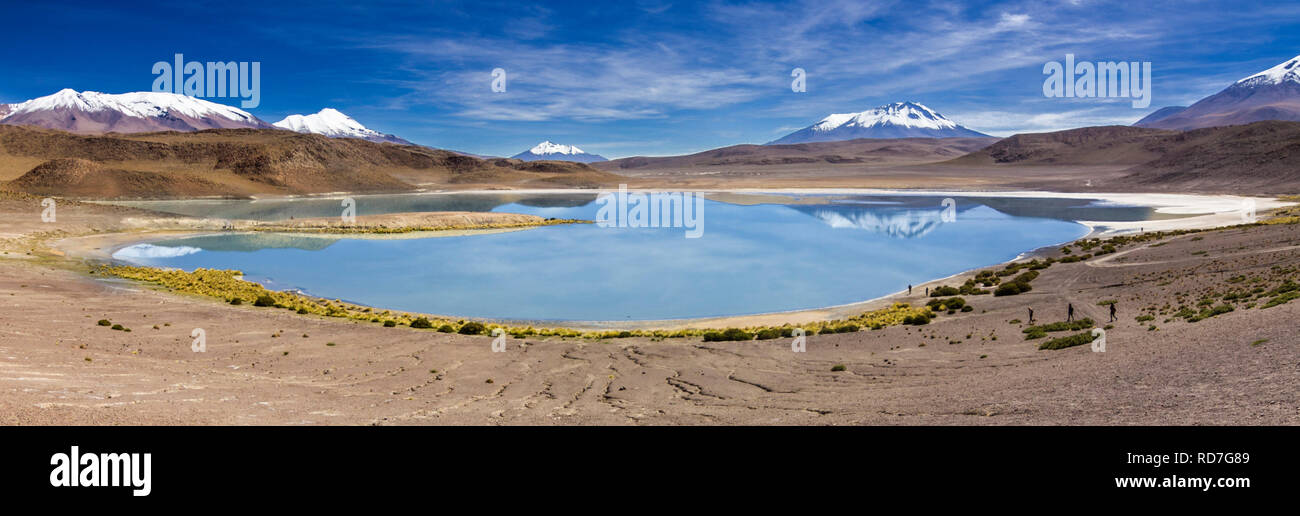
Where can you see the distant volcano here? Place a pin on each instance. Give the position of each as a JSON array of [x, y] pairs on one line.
[[897, 120], [556, 152]]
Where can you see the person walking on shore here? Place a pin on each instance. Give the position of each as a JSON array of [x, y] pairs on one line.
[[1112, 312], [1069, 312], [1031, 315], [909, 289]]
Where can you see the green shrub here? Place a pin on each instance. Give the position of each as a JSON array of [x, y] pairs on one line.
[[838, 367], [1077, 339], [917, 320], [104, 322], [421, 323], [728, 334], [118, 327], [446, 328], [390, 323], [768, 333], [264, 300], [944, 290], [1011, 288], [236, 301], [470, 328], [1210, 312], [952, 303]]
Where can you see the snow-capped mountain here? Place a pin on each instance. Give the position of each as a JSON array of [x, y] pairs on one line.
[[334, 124], [144, 111], [556, 152], [897, 120], [1273, 94]]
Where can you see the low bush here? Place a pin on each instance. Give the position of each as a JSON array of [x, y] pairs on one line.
[[469, 328], [1077, 339], [944, 290], [768, 333], [421, 323], [728, 334]]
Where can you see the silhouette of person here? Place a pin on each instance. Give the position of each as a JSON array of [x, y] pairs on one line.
[[909, 289], [1069, 312], [1112, 312], [1031, 316], [927, 291]]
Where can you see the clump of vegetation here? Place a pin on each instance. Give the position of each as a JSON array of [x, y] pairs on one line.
[[838, 367], [472, 328], [391, 323], [944, 290], [768, 334], [941, 305], [917, 320], [1017, 285], [446, 328], [421, 323], [1040, 331], [1210, 312], [104, 322], [728, 334], [1077, 339], [264, 300]]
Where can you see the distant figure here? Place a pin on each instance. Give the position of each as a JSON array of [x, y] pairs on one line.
[[1112, 312], [927, 291], [1069, 312], [909, 289], [1031, 316]]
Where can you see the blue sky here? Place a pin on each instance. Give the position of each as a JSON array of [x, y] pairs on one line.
[[650, 77]]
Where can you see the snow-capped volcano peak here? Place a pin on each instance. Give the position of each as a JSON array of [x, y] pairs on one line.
[[554, 151], [334, 124], [903, 114], [1287, 71], [897, 120], [547, 147], [141, 104]]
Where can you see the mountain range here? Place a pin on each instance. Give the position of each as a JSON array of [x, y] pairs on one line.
[[92, 112], [1273, 94], [556, 152], [897, 120]]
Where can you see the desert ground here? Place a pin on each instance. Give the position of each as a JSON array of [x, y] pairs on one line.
[[265, 366]]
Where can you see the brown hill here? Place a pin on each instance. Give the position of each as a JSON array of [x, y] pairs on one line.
[[1262, 157], [244, 162], [864, 151], [1087, 146]]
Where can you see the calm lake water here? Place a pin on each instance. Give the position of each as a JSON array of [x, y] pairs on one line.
[[778, 256]]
